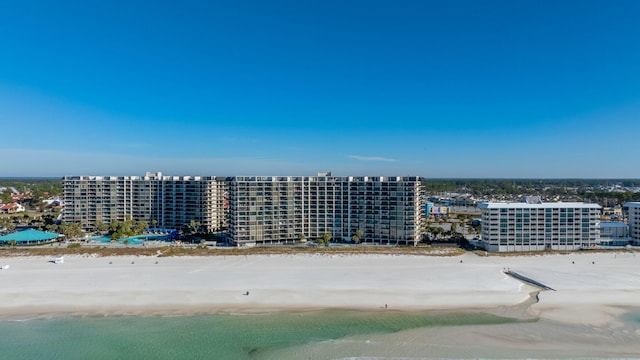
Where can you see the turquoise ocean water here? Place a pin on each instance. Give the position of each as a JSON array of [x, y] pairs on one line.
[[206, 336]]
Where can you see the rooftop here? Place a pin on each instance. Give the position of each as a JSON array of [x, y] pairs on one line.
[[524, 205]]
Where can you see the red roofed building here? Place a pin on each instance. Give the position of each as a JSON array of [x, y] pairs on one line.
[[11, 208]]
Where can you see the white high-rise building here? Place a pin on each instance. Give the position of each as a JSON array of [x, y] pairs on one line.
[[283, 209], [257, 209], [163, 201], [536, 226], [634, 221]]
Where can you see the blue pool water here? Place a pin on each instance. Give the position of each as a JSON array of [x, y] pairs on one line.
[[134, 240]]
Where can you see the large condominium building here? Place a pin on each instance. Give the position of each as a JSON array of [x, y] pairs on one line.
[[273, 209], [538, 226], [163, 201], [634, 221]]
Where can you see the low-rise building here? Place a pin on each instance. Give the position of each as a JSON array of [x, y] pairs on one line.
[[614, 233], [537, 226], [11, 208]]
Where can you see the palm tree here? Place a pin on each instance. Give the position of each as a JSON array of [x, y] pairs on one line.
[[139, 226], [101, 226], [326, 238], [71, 230], [360, 234], [355, 239], [302, 238], [193, 226], [437, 232]]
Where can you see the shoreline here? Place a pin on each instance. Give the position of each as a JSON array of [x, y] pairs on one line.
[[174, 312], [516, 312]]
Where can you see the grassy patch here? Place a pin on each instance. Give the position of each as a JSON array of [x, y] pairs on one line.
[[206, 251]]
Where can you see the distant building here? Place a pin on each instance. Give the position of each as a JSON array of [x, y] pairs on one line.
[[427, 208], [539, 226], [440, 211], [11, 208], [54, 201], [15, 196], [614, 213]]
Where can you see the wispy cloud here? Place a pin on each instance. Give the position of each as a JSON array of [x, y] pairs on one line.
[[371, 158], [133, 145]]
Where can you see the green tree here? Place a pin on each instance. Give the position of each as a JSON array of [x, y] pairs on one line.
[[193, 227], [6, 222], [302, 238], [435, 231], [355, 239], [114, 226], [360, 235], [326, 238], [128, 227], [139, 226], [5, 196], [71, 230], [101, 226]]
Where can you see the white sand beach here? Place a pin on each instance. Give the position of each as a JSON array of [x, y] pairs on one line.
[[583, 318], [590, 288]]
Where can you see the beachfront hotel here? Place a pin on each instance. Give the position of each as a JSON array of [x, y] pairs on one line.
[[534, 226], [634, 221], [162, 201], [255, 209], [283, 209]]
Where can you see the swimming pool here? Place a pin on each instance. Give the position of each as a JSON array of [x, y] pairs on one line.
[[134, 240]]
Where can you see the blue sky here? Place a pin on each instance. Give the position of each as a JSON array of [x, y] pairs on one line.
[[517, 89]]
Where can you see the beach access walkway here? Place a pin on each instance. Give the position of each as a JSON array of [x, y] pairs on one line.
[[527, 280]]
